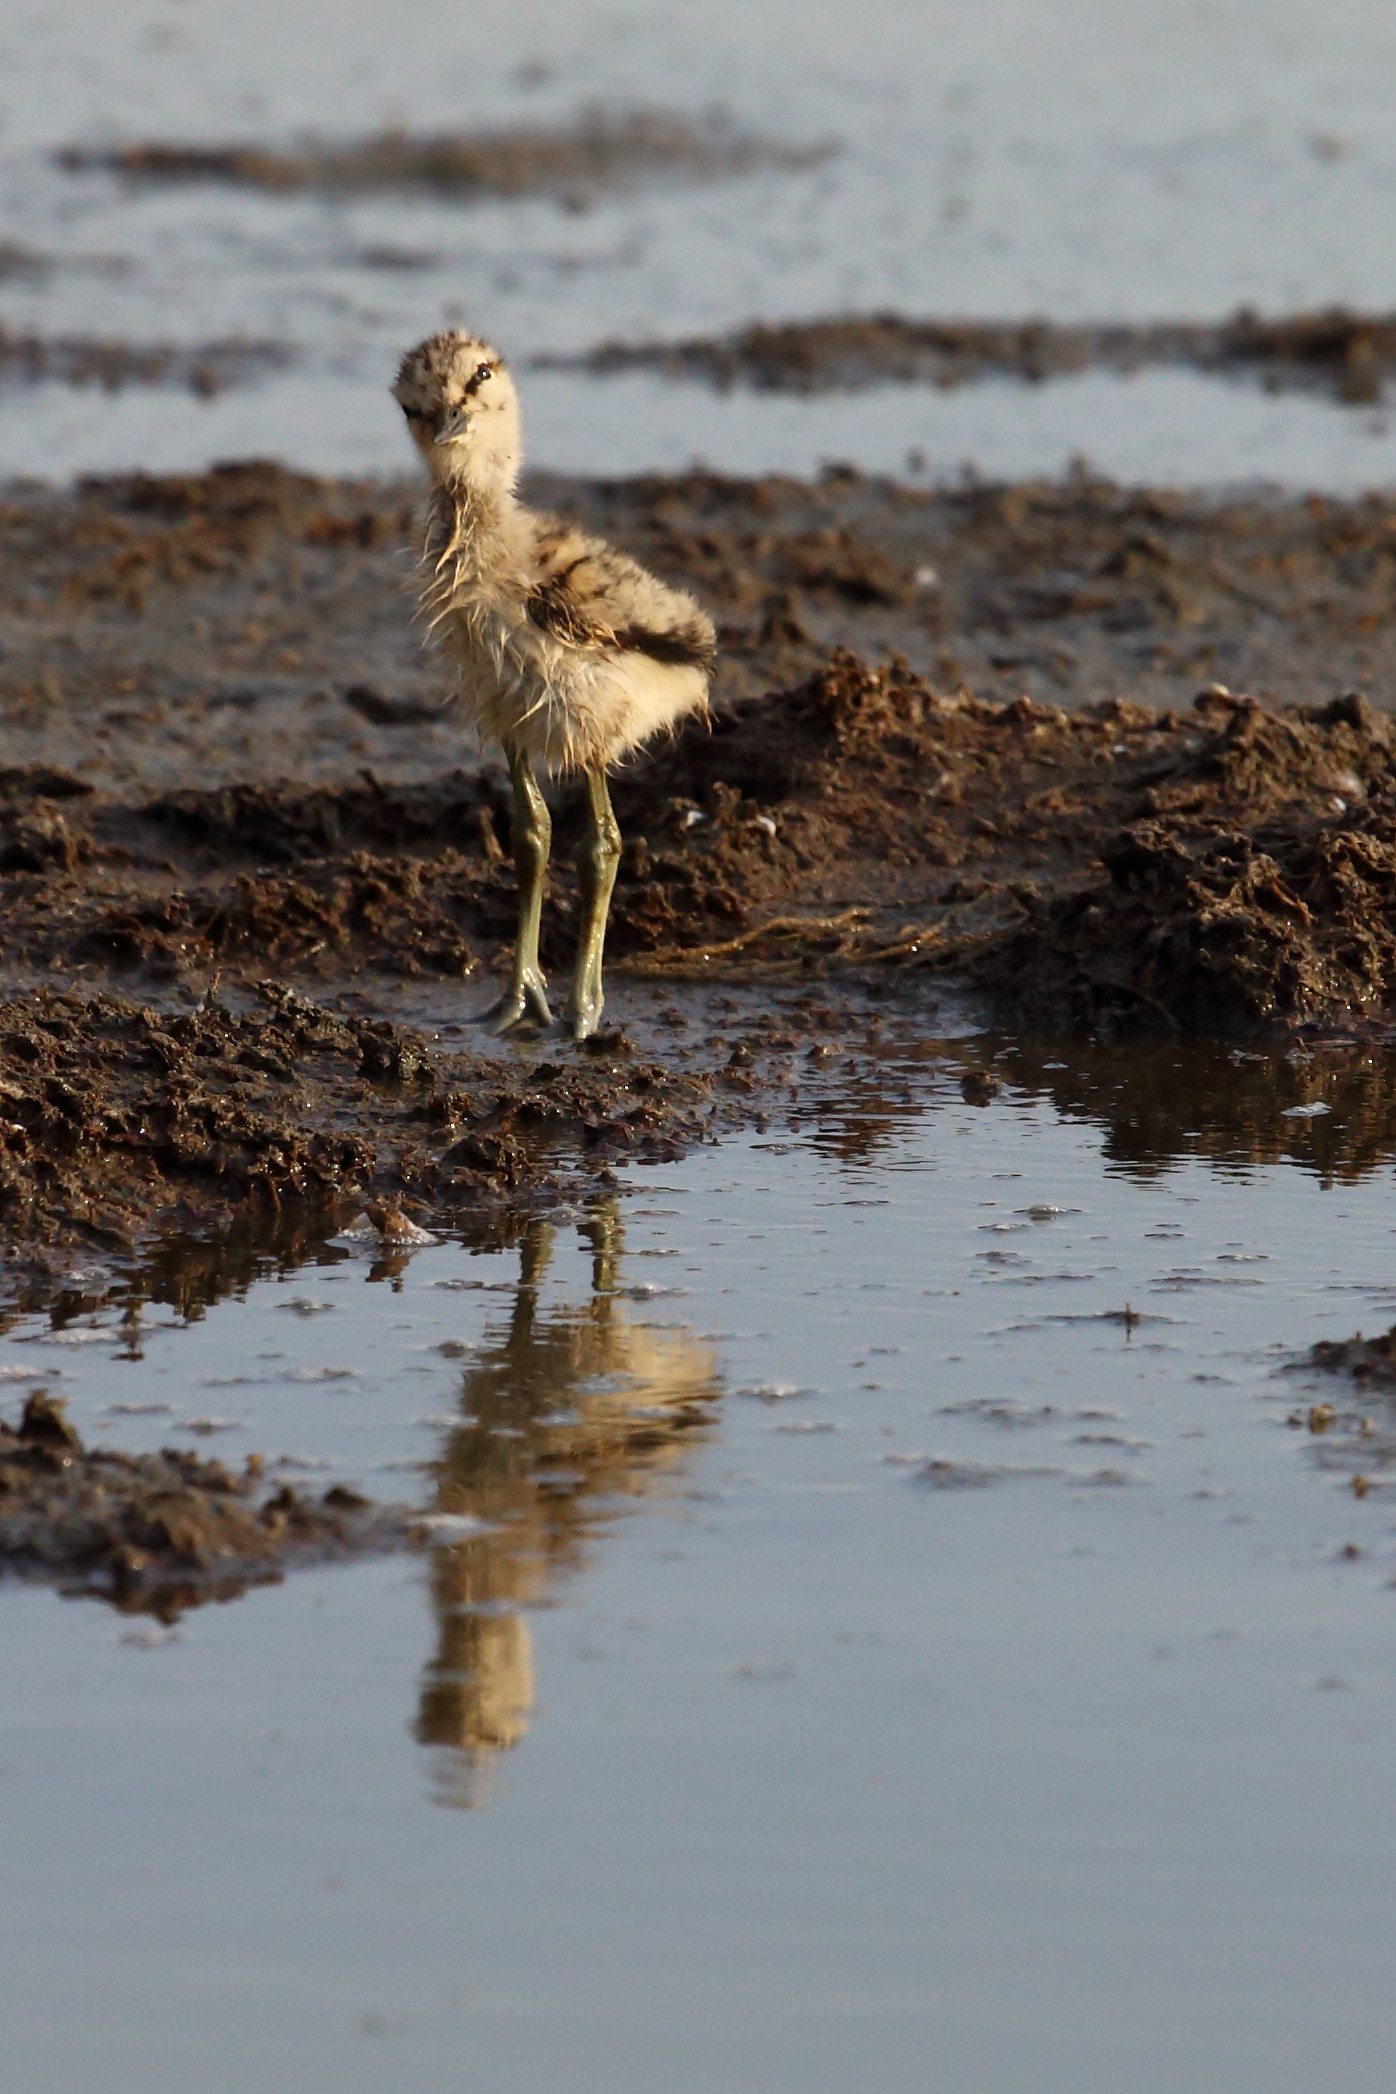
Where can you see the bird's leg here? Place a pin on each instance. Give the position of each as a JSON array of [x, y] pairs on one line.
[[527, 995], [597, 860]]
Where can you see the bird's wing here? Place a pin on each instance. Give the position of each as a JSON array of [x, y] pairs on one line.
[[587, 594]]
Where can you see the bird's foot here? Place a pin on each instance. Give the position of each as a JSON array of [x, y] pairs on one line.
[[581, 1018], [525, 1003]]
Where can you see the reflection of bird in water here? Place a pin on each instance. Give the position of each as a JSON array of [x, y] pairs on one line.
[[563, 1411], [567, 652]]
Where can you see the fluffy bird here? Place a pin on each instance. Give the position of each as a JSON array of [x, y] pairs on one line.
[[565, 652]]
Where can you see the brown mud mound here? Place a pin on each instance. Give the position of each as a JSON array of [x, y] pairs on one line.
[[158, 1533], [603, 150], [115, 1116], [1335, 350], [1228, 871]]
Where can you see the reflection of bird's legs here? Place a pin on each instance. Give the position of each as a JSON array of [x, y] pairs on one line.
[[527, 994], [602, 1230], [535, 1255], [597, 860]]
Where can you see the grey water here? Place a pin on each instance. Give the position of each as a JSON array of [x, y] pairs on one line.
[[1075, 158], [887, 1625]]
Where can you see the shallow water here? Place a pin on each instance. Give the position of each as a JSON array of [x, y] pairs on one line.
[[889, 1631], [1069, 157]]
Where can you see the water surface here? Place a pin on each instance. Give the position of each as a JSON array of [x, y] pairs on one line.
[[885, 1614], [1070, 157]]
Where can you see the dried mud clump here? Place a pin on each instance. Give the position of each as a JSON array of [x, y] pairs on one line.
[[602, 150], [1335, 349], [158, 1533]]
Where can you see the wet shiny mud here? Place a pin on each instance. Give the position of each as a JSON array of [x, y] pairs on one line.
[[895, 1565]]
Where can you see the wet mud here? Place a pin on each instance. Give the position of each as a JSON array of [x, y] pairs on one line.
[[1334, 350], [159, 1533], [603, 150], [120, 1117]]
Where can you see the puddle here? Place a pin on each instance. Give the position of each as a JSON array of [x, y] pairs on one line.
[[847, 1635]]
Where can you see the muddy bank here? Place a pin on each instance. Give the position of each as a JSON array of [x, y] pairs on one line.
[[159, 1533], [207, 369], [1335, 350], [602, 150]]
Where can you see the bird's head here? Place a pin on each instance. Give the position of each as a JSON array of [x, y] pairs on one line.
[[462, 411]]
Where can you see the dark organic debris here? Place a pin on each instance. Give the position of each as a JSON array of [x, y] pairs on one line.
[[158, 1533], [601, 150], [1348, 352]]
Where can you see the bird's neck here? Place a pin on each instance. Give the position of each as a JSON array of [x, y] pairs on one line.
[[471, 523]]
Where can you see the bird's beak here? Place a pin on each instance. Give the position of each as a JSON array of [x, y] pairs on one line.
[[454, 426]]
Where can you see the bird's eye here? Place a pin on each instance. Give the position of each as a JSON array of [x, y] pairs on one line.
[[485, 371]]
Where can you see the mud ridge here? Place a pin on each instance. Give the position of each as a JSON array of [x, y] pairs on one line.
[[206, 369], [601, 150], [1334, 349]]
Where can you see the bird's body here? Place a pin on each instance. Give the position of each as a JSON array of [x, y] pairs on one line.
[[561, 645], [566, 652]]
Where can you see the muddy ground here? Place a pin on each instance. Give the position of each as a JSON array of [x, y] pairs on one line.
[[1103, 756]]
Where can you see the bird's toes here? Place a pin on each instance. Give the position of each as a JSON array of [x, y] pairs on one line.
[[524, 1004], [580, 1024]]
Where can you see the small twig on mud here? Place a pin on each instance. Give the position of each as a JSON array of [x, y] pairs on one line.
[[907, 942], [929, 941], [777, 927]]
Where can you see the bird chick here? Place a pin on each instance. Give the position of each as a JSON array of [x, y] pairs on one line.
[[566, 652]]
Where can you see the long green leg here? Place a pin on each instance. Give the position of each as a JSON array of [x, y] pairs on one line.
[[596, 865], [527, 995]]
